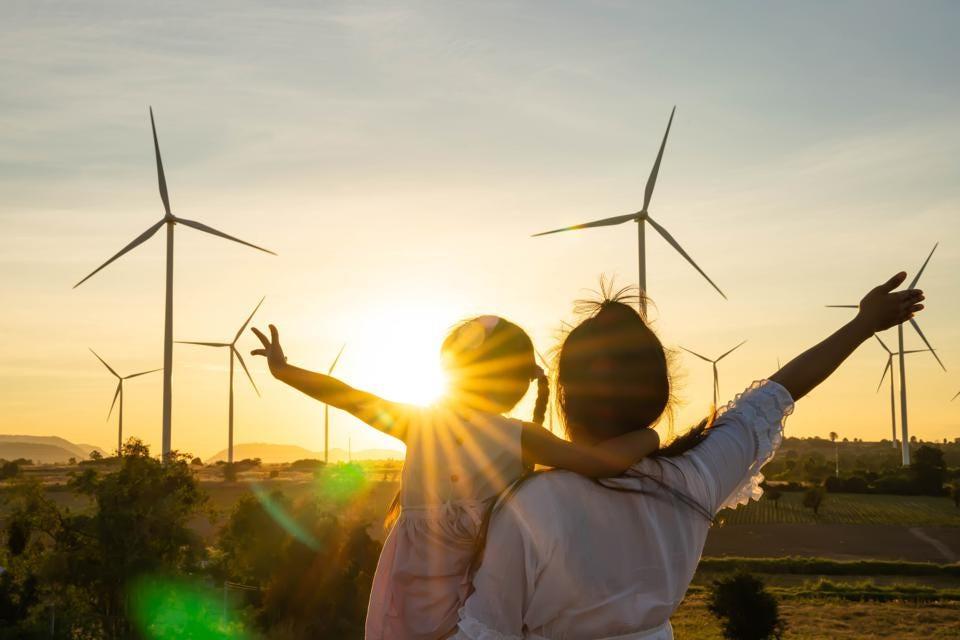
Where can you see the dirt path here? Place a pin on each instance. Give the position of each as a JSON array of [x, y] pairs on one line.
[[836, 541]]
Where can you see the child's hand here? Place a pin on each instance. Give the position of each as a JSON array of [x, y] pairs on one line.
[[883, 308], [271, 349]]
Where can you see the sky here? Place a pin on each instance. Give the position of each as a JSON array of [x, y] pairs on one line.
[[398, 156]]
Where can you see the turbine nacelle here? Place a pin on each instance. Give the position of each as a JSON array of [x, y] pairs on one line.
[[643, 216]]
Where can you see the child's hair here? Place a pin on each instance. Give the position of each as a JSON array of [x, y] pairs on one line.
[[490, 363], [612, 371]]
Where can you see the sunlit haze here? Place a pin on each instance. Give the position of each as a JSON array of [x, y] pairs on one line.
[[398, 158]]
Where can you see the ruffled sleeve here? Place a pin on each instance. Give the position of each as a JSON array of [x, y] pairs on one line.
[[745, 436], [472, 629]]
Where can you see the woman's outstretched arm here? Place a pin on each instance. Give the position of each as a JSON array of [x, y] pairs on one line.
[[389, 417], [880, 309]]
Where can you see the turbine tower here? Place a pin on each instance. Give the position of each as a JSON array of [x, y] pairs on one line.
[[326, 412], [716, 374], [234, 353], [889, 367], [904, 428], [119, 394], [641, 218], [169, 221]]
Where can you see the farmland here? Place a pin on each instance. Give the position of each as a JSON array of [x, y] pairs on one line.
[[847, 508]]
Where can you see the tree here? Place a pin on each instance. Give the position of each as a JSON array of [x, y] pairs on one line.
[[813, 498], [313, 569], [745, 608], [929, 470], [196, 462], [96, 455], [138, 527], [9, 470]]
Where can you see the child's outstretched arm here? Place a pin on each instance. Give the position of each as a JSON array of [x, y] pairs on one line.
[[603, 460], [880, 309], [391, 418]]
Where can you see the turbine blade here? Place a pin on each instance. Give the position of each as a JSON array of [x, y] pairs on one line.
[[842, 306], [160, 177], [916, 350], [142, 373], [882, 344], [927, 342], [109, 368], [652, 180], [239, 333], [606, 222], [336, 360], [885, 369], [676, 245], [245, 370], [202, 227], [204, 344], [115, 396], [731, 351], [694, 353], [955, 397], [140, 239], [913, 283]]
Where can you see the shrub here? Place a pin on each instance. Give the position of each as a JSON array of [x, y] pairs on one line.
[[813, 498], [745, 608]]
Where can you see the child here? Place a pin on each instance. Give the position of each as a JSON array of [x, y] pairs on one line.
[[461, 453]]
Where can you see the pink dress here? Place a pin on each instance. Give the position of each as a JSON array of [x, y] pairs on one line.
[[456, 464]]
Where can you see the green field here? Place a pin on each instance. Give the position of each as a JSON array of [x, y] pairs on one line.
[[821, 619], [848, 508]]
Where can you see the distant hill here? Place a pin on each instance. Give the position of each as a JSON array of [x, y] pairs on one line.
[[278, 453], [44, 449]]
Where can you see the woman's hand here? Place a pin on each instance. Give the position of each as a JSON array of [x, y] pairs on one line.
[[883, 308], [271, 349]]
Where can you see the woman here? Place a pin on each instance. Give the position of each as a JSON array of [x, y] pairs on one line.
[[567, 557]]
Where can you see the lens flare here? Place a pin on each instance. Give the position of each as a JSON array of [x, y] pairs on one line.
[[170, 608], [281, 517], [341, 483]]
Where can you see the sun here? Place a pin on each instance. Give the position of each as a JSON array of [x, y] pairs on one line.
[[398, 356]]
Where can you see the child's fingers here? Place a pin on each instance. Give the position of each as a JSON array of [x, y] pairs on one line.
[[259, 334], [258, 352], [893, 282], [274, 333]]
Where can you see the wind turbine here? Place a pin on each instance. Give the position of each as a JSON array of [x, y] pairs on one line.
[[716, 374], [904, 430], [119, 394], [955, 397], [326, 412], [169, 221], [234, 353], [641, 218], [889, 367]]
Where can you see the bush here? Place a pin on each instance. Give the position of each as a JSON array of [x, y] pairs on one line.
[[813, 498], [745, 608], [196, 462], [306, 464], [9, 470]]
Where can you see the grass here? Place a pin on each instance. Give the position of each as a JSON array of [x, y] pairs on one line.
[[819, 619], [848, 508]]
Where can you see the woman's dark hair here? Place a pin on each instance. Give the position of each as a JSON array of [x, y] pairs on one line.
[[613, 375], [612, 372], [490, 362]]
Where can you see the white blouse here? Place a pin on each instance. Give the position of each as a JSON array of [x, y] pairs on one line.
[[567, 558]]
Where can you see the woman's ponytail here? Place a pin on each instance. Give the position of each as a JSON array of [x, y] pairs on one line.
[[543, 396]]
